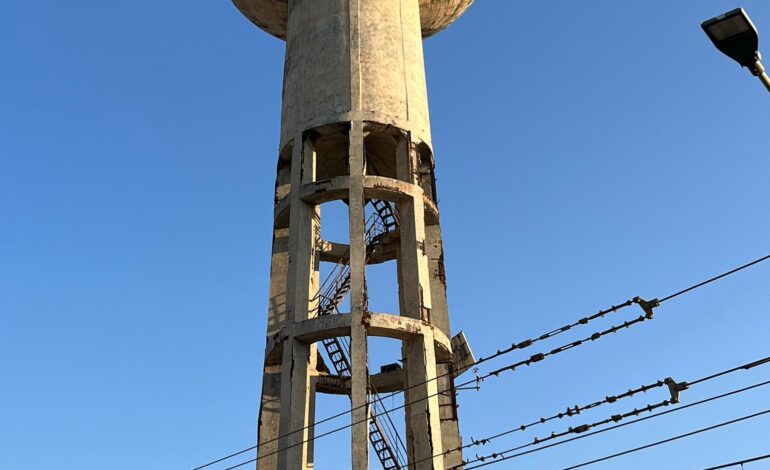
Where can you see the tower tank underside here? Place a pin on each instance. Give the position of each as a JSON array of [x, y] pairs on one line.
[[271, 15]]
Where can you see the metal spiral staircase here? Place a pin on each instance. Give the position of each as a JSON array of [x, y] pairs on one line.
[[383, 434]]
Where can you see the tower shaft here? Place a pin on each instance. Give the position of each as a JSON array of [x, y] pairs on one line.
[[355, 128]]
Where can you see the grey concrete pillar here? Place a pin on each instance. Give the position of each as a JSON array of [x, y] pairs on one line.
[[269, 418], [270, 404], [298, 357], [423, 416], [424, 437], [450, 428], [358, 348], [311, 431]]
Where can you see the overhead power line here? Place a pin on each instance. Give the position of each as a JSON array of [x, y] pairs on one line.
[[570, 411], [674, 389], [515, 346], [670, 439], [500, 457], [647, 306], [715, 278], [740, 462], [494, 374], [748, 366]]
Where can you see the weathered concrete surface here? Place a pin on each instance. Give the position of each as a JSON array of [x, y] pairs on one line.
[[365, 60], [358, 345], [354, 127], [298, 357]]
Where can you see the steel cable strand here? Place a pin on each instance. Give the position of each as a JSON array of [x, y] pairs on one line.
[[674, 388], [569, 412], [514, 346], [502, 457], [496, 373]]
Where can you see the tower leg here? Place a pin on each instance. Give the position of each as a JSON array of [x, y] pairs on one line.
[[269, 418], [298, 357], [450, 428], [360, 371], [270, 407], [311, 431], [424, 438], [424, 428], [295, 389]]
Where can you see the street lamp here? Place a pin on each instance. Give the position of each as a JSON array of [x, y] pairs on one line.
[[735, 35]]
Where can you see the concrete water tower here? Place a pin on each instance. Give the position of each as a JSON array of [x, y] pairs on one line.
[[355, 128]]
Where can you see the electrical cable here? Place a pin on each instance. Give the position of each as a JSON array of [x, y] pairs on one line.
[[570, 411], [495, 373], [670, 439], [646, 305], [500, 457], [673, 387], [716, 278], [740, 462], [515, 346]]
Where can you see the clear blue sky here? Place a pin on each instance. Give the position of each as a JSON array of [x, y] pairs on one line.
[[587, 152]]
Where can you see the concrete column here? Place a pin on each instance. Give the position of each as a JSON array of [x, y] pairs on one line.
[[358, 347], [423, 415], [269, 418], [423, 418], [404, 159], [450, 429], [298, 357], [311, 431], [295, 387], [413, 263], [434, 250], [270, 408]]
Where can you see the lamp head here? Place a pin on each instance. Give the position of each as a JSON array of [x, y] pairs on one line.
[[735, 35]]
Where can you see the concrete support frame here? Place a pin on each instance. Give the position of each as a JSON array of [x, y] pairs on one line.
[[358, 348], [424, 427], [355, 66], [450, 428], [298, 357], [292, 372]]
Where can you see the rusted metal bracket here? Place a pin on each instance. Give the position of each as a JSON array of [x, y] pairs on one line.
[[647, 306], [674, 388]]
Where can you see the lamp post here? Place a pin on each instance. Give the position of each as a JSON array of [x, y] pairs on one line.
[[735, 35]]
